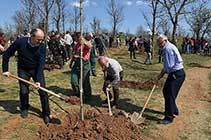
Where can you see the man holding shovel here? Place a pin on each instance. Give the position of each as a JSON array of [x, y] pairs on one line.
[[113, 73], [173, 66], [31, 62]]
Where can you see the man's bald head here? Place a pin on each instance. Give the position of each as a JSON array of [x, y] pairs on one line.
[[37, 36]]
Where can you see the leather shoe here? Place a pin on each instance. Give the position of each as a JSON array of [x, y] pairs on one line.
[[166, 120], [46, 119], [24, 114], [176, 113]]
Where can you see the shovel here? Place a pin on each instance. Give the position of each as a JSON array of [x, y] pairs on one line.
[[41, 88], [137, 118], [109, 105]]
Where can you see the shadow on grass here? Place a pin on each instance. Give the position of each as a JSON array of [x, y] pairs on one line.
[[2, 90], [125, 105], [94, 100], [12, 106], [64, 91], [197, 65], [67, 72]]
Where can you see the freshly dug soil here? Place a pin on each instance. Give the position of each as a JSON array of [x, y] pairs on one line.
[[74, 100], [138, 85], [98, 125]]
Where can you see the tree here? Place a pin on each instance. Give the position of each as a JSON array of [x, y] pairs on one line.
[[30, 13], [199, 20], [44, 7], [59, 14], [95, 25], [116, 13], [25, 18], [76, 18], [174, 9], [153, 4], [19, 21]]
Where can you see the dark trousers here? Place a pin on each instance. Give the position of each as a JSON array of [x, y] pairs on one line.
[[93, 64], [24, 91], [75, 77], [132, 54], [115, 89], [170, 91]]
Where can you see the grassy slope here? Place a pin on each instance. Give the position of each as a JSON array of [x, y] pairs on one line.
[[59, 81]]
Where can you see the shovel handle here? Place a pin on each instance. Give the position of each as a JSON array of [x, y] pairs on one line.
[[41, 88], [109, 105], [142, 111]]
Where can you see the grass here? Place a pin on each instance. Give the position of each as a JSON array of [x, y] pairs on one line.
[[130, 99]]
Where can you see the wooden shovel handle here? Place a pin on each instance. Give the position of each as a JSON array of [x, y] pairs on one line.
[[109, 104], [41, 88]]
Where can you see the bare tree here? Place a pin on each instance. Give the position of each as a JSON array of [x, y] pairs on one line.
[[19, 20], [59, 14], [30, 13], [164, 25], [199, 20], [175, 8], [116, 13], [76, 18], [25, 18], [63, 13], [155, 11], [95, 25], [44, 7]]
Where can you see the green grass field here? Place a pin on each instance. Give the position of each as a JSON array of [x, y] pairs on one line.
[[59, 81]]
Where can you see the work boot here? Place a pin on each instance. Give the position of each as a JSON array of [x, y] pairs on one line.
[[24, 114]]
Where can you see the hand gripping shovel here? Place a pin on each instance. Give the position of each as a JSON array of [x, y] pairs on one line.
[[137, 118], [41, 88]]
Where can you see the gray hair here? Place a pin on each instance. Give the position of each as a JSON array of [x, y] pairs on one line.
[[163, 37]]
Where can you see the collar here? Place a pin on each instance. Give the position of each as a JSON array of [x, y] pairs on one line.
[[30, 43]]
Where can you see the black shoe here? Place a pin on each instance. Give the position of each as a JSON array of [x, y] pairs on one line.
[[105, 101], [166, 120], [46, 119], [24, 114], [176, 113], [94, 74]]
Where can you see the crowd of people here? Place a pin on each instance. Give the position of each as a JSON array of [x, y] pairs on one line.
[[189, 45], [34, 53]]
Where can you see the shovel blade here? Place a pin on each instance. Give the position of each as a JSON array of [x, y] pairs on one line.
[[136, 118]]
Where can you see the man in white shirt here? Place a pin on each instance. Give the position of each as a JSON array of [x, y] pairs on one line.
[[68, 41], [113, 75]]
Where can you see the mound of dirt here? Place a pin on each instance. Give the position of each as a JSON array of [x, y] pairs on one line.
[[138, 85], [74, 100], [98, 125]]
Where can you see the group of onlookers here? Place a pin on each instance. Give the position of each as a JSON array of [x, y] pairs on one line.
[[190, 45]]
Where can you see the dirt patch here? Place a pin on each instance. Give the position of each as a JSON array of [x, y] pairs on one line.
[[193, 123], [98, 125], [74, 100], [139, 85]]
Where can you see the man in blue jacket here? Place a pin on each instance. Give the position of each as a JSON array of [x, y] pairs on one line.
[[31, 62]]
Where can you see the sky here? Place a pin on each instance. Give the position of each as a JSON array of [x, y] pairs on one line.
[[91, 8]]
